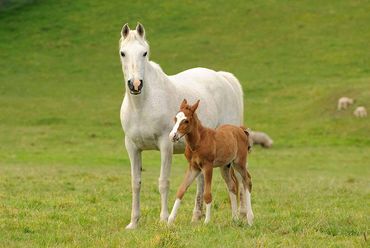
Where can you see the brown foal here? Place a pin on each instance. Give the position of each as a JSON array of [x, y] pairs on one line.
[[225, 147]]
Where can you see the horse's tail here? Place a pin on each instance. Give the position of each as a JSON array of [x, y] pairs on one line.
[[237, 88]]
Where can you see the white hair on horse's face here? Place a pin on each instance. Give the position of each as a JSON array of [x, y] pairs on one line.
[[134, 54], [174, 135]]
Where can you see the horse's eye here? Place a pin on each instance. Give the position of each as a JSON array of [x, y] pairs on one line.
[[144, 55], [122, 54]]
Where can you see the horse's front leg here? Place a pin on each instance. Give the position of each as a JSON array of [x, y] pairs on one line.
[[135, 159], [166, 149], [198, 206], [208, 170]]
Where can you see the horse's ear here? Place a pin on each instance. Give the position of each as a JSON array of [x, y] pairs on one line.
[[140, 29], [195, 106], [125, 30], [184, 103]]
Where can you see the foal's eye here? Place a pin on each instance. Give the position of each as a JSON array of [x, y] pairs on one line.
[[186, 121], [144, 55], [122, 54]]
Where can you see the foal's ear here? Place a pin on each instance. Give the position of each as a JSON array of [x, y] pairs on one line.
[[195, 106], [140, 29], [125, 30], [184, 103]]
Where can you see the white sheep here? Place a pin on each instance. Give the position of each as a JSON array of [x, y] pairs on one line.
[[344, 102], [260, 138], [360, 112]]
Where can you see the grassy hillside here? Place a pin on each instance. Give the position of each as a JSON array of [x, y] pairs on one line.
[[63, 167]]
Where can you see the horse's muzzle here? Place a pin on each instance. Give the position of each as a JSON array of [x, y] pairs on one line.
[[135, 86]]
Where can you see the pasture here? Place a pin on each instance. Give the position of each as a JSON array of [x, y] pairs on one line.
[[64, 172]]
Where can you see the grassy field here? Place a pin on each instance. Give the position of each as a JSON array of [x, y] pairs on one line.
[[64, 172]]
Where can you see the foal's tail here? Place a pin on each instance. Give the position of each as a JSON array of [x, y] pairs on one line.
[[247, 132]]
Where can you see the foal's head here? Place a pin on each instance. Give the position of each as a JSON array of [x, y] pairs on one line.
[[185, 120], [134, 53]]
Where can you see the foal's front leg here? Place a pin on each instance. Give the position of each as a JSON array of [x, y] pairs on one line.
[[190, 175]]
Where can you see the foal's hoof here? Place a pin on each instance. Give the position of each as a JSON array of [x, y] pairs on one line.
[[131, 226], [170, 221]]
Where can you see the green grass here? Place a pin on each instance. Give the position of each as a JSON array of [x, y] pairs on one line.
[[64, 173]]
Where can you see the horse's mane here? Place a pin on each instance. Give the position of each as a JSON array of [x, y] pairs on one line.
[[133, 36], [158, 70], [156, 66]]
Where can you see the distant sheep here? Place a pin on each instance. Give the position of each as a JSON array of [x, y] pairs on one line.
[[260, 138], [360, 112], [344, 102]]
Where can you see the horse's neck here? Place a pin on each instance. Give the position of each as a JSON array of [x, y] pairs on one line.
[[154, 78], [194, 137]]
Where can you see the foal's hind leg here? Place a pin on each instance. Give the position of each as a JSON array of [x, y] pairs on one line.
[[240, 167], [232, 187], [242, 197]]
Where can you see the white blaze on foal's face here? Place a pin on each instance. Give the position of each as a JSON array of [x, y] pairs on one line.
[[174, 134]]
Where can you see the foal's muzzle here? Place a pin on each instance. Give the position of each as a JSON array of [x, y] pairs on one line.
[[135, 86], [175, 137]]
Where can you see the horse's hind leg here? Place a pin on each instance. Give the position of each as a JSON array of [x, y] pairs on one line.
[[226, 173], [197, 212], [240, 167]]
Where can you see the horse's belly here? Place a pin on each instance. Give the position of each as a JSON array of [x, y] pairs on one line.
[[146, 136], [144, 142]]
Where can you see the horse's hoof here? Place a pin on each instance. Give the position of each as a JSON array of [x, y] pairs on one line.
[[235, 218], [131, 226], [250, 218], [197, 215], [163, 217], [243, 212]]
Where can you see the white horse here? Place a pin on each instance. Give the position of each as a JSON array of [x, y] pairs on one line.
[[152, 99]]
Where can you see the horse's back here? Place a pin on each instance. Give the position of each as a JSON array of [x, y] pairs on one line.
[[216, 88], [199, 77]]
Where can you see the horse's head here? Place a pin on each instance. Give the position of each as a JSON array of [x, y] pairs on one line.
[[185, 121], [134, 53]]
